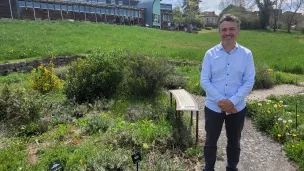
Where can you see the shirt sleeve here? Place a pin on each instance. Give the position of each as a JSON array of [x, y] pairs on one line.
[[206, 77], [248, 82]]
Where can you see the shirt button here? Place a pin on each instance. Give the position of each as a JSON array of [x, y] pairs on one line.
[[227, 74], [226, 84], [228, 63]]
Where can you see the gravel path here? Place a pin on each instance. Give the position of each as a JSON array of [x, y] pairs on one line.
[[259, 152]]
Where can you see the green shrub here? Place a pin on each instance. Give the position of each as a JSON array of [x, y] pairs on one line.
[[14, 78], [145, 76], [264, 77], [175, 82], [19, 107], [44, 80], [13, 154], [111, 159], [65, 112], [285, 78], [181, 131], [96, 77], [163, 161], [96, 123], [295, 151]]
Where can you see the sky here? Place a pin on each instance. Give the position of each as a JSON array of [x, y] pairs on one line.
[[207, 5]]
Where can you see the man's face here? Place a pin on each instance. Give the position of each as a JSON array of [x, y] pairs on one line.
[[229, 32]]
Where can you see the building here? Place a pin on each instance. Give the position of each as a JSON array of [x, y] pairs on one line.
[[210, 19], [166, 15], [109, 11]]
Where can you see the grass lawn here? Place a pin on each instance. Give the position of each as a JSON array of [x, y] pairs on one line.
[[35, 39]]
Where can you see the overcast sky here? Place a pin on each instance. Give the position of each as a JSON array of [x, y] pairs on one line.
[[208, 5]]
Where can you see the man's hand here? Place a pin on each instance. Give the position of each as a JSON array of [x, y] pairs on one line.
[[226, 106]]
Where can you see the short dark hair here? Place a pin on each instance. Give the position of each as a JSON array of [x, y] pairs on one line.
[[230, 18]]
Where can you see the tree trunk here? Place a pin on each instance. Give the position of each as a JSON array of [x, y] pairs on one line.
[[288, 27]]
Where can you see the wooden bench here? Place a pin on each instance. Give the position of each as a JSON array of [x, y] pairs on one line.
[[185, 102]]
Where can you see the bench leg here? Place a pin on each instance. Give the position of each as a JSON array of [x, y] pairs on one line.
[[196, 142], [191, 121], [171, 99]]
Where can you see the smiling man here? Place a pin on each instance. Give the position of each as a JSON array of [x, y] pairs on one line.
[[227, 77]]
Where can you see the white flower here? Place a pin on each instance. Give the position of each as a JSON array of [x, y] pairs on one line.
[[290, 121], [287, 133], [281, 101], [284, 121], [269, 101], [259, 104], [285, 106], [288, 113], [275, 106], [280, 119]]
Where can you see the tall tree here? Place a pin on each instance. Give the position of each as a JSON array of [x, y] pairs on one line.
[[265, 9], [239, 3], [291, 16], [191, 6], [277, 12]]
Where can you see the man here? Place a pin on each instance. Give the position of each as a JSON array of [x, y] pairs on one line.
[[227, 77]]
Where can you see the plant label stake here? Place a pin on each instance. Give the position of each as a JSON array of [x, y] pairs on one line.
[[55, 166], [296, 115], [136, 158]]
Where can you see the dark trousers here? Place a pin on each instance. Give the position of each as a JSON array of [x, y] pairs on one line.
[[234, 124]]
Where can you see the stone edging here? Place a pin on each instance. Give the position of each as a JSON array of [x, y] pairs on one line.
[[27, 66]]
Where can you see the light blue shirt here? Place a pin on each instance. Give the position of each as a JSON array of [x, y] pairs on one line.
[[227, 76]]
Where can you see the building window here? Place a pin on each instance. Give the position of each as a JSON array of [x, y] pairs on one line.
[[43, 5], [51, 6], [81, 8], [70, 8], [36, 5], [102, 1], [29, 4], [21, 3], [76, 9], [63, 7], [156, 19], [57, 7], [119, 2], [169, 7], [113, 2], [92, 9]]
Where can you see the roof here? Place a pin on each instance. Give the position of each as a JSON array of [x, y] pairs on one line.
[[209, 14]]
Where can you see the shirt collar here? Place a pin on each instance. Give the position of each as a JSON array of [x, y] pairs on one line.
[[220, 46]]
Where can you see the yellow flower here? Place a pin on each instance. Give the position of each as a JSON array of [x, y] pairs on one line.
[[298, 115], [268, 111], [279, 135], [80, 161], [294, 135], [292, 146], [145, 145], [197, 84], [268, 103]]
